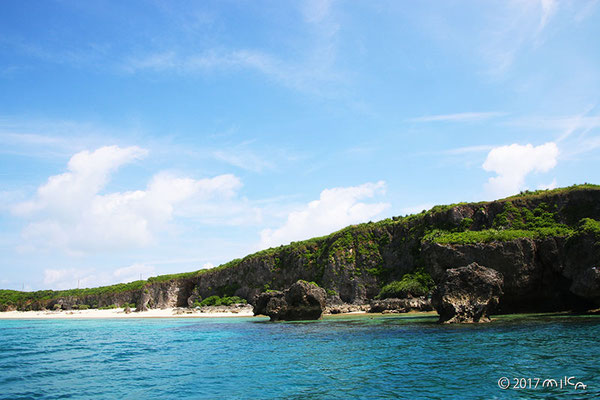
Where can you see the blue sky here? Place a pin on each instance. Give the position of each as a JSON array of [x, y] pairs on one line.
[[159, 137]]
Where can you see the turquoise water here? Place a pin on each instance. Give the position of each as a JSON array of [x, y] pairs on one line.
[[353, 357]]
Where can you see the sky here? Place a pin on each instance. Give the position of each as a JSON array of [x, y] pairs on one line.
[[148, 137]]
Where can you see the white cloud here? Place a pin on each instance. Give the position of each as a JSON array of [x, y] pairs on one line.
[[459, 117], [133, 273], [551, 185], [69, 212], [316, 11], [298, 75], [335, 209], [244, 159], [516, 26], [548, 8], [513, 163], [70, 278], [67, 278], [468, 149]]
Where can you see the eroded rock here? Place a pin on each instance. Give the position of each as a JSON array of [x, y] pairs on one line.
[[401, 305], [468, 294], [301, 301]]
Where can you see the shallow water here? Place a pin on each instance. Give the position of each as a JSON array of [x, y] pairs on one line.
[[366, 357]]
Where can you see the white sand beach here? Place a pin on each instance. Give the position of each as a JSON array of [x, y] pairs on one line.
[[120, 313]]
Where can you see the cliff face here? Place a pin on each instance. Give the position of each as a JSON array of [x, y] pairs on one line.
[[548, 254], [539, 275]]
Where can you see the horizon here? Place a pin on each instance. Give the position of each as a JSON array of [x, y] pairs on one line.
[[153, 138]]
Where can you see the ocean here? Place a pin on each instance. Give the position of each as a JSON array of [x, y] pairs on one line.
[[339, 357]]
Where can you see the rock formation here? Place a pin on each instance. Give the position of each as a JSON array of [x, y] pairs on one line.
[[468, 294], [401, 305], [301, 301]]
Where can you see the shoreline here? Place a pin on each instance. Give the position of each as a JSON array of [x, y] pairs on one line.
[[119, 313]]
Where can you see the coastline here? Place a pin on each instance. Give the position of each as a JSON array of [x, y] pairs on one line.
[[120, 314]]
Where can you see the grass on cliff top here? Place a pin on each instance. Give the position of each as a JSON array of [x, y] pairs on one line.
[[548, 192], [493, 235]]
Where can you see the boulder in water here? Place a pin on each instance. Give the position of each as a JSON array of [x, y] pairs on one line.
[[468, 294], [301, 301]]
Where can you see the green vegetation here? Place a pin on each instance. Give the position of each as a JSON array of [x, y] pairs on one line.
[[221, 301], [310, 283], [417, 283], [493, 235], [589, 226], [512, 223], [546, 192]]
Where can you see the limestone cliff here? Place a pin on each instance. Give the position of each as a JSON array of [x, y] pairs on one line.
[[546, 245]]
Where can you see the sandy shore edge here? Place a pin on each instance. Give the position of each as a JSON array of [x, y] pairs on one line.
[[119, 313]]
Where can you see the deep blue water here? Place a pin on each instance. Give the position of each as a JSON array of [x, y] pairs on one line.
[[249, 358]]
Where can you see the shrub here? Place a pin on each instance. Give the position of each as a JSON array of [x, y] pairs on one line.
[[211, 301], [589, 226], [222, 301], [418, 283]]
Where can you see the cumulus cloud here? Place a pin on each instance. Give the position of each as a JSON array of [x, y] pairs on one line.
[[335, 209], [69, 278], [69, 211], [513, 163]]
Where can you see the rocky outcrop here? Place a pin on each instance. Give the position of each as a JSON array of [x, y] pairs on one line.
[[467, 294], [540, 275], [401, 305], [302, 301]]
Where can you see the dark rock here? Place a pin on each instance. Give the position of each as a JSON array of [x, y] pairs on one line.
[[468, 294], [587, 283], [301, 301], [401, 305]]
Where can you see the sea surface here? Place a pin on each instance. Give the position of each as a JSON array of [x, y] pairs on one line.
[[364, 357]]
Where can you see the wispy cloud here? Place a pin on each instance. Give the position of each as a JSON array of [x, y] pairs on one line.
[[468, 149], [459, 117], [311, 68], [517, 25], [548, 9], [244, 159], [301, 75], [573, 131]]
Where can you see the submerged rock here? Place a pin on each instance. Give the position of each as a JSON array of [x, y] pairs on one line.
[[468, 294], [301, 301]]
